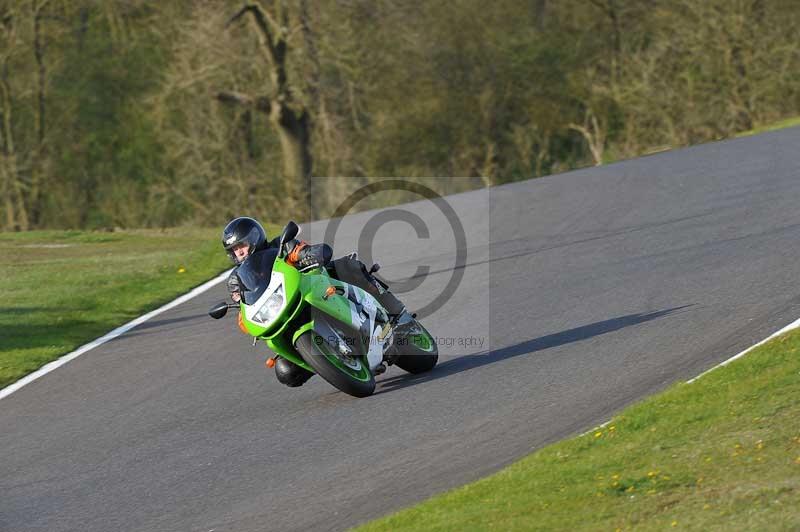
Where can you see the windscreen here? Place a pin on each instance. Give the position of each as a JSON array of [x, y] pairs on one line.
[[255, 273]]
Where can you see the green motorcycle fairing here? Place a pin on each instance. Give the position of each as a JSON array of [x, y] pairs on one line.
[[328, 311]]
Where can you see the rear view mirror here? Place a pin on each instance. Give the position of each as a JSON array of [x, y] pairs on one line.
[[289, 232], [218, 310]]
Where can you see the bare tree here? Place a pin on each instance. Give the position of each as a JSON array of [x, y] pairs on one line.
[[594, 132], [713, 67], [288, 116], [16, 213], [38, 8]]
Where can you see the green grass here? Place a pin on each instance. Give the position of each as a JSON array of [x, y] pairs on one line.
[[61, 289], [722, 453], [610, 156], [789, 122]]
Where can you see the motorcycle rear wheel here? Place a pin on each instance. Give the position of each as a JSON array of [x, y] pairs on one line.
[[348, 374], [417, 349]]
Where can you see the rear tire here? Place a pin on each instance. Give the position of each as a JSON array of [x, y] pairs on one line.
[[417, 349], [353, 377]]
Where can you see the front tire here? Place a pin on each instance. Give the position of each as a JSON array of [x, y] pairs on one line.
[[350, 375]]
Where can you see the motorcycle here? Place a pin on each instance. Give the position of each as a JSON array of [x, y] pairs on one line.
[[332, 328]]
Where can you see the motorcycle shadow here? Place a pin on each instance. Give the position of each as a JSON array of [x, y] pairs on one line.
[[484, 358]]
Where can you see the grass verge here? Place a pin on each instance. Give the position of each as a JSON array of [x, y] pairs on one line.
[[722, 453], [62, 289], [782, 124], [610, 157]]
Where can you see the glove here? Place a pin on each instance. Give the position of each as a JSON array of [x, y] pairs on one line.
[[234, 289]]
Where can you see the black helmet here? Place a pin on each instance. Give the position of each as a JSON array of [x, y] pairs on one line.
[[242, 230]]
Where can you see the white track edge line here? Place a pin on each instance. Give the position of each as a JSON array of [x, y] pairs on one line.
[[794, 325], [47, 368]]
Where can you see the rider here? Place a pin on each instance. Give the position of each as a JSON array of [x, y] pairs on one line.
[[244, 236]]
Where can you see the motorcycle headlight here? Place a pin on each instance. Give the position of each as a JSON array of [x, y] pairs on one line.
[[271, 307]]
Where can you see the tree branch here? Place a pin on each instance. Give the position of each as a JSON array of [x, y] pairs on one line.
[[599, 5], [266, 24], [593, 134], [260, 103]]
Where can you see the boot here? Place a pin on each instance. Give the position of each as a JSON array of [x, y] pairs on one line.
[[353, 271]]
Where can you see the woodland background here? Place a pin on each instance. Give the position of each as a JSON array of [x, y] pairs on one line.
[[133, 113]]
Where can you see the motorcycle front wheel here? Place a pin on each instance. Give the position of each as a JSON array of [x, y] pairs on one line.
[[348, 374]]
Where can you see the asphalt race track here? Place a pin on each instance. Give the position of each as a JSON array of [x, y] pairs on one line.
[[578, 294]]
